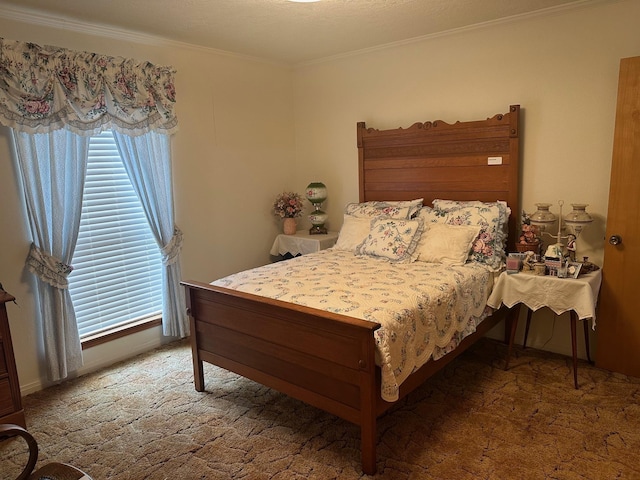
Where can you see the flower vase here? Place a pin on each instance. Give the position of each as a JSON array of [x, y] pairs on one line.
[[289, 226]]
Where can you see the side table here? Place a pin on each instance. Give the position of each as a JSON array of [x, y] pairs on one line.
[[301, 243], [578, 296]]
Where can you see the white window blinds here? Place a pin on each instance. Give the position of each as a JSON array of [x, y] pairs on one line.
[[117, 276]]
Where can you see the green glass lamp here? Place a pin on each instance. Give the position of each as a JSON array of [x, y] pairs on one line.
[[317, 194]]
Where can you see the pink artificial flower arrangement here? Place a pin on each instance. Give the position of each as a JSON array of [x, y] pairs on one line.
[[288, 205], [529, 232]]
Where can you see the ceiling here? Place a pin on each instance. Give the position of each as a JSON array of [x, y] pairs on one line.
[[279, 30]]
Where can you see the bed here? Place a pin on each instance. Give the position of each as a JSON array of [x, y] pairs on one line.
[[329, 359]]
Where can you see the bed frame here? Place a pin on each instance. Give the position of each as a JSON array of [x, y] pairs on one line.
[[328, 360]]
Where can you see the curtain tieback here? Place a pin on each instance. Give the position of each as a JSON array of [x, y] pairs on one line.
[[48, 268], [171, 251]]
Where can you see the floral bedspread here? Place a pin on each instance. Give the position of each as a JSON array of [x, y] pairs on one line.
[[425, 309]]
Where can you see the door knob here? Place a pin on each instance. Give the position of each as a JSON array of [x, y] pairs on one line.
[[615, 239]]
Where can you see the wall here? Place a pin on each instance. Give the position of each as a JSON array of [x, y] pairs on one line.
[[241, 141], [232, 155], [561, 68]]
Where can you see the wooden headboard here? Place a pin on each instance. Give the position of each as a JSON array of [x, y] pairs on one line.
[[477, 160]]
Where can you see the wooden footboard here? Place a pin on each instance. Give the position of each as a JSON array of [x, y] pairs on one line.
[[323, 359]]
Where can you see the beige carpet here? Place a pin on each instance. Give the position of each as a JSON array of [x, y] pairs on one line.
[[142, 419]]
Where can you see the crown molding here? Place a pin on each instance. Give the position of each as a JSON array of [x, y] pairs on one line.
[[454, 31], [33, 17]]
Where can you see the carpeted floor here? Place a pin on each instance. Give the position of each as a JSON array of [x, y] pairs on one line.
[[142, 419]]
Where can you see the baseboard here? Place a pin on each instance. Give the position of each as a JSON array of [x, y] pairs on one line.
[[107, 354]]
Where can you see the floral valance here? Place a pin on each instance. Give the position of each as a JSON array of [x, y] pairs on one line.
[[47, 88]]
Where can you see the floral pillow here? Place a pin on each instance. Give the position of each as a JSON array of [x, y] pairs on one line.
[[489, 247], [352, 233], [444, 243], [392, 238], [431, 215], [414, 205], [393, 209]]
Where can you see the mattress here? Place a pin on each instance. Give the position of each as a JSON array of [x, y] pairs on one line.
[[424, 309]]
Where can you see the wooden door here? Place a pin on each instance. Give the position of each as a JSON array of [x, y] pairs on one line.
[[618, 330]]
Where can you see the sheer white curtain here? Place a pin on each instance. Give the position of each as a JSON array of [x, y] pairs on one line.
[[147, 161], [53, 167], [54, 99]]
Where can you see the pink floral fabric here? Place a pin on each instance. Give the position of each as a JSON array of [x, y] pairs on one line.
[[48, 88], [424, 309], [395, 239], [492, 217]]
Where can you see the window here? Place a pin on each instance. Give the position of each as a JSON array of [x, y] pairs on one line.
[[117, 276]]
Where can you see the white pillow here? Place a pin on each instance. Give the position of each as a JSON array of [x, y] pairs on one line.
[[449, 244], [395, 239], [352, 233]]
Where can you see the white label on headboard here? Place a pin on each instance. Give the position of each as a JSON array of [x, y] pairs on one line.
[[494, 161]]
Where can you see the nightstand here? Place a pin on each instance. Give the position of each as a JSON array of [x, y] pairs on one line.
[[578, 296], [289, 246]]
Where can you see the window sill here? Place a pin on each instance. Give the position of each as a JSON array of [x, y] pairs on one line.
[[130, 329]]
